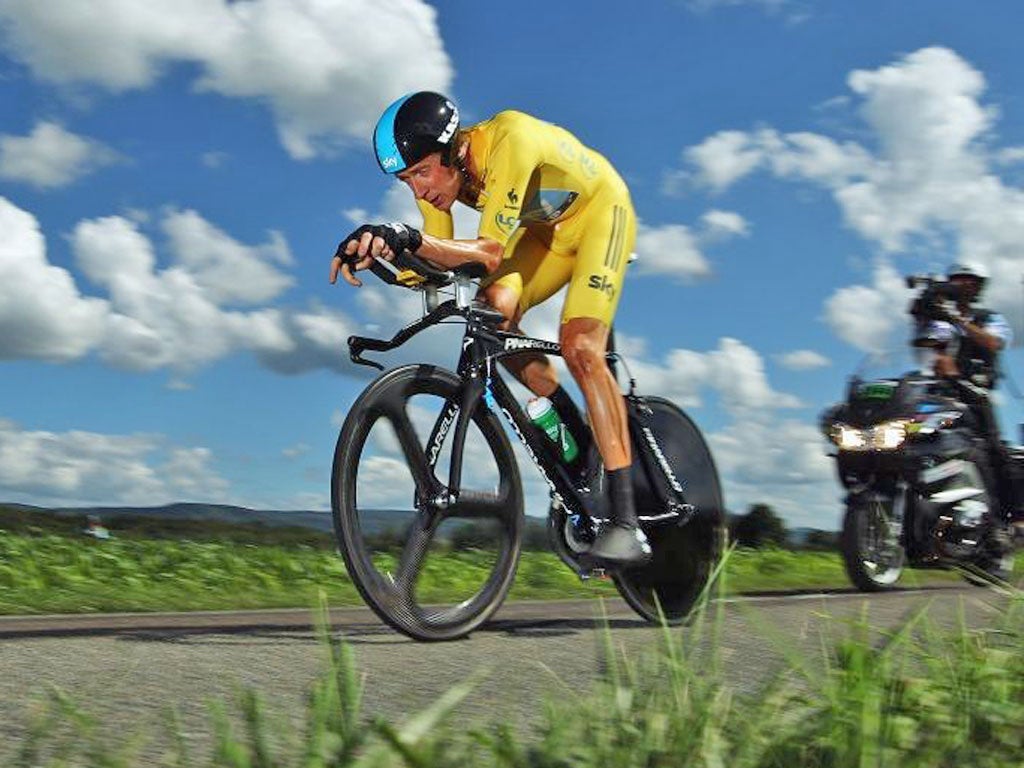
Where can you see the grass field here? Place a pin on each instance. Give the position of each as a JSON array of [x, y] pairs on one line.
[[61, 574]]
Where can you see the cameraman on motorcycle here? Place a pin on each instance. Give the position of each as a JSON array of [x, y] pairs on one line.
[[966, 341]]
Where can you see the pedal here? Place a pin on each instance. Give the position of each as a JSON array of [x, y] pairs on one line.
[[686, 512]]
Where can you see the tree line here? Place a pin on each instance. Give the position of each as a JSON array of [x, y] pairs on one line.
[[759, 527]]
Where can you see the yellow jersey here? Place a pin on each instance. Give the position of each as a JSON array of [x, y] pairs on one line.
[[529, 174]]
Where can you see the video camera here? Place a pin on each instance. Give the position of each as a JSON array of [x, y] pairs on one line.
[[931, 303]]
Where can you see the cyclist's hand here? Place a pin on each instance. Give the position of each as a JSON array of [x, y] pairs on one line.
[[358, 250]]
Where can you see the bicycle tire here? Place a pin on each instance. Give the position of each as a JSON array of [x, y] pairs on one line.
[[683, 556], [394, 600]]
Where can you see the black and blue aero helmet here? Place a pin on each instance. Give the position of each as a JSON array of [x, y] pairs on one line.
[[413, 127]]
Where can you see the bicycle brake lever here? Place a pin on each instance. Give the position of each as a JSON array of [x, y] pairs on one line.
[[356, 345]]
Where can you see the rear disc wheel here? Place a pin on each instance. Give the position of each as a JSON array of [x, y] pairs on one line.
[[683, 556]]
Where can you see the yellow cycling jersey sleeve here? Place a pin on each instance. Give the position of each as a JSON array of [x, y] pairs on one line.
[[436, 223]]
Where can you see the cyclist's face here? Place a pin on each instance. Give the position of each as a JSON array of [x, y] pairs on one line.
[[432, 181]]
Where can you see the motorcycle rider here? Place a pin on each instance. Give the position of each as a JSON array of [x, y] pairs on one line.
[[553, 213], [967, 342]]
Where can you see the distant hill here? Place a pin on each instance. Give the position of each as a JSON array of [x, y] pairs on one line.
[[220, 521], [222, 513]]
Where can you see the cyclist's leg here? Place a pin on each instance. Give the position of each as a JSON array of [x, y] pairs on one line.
[[525, 279], [590, 303], [593, 296]]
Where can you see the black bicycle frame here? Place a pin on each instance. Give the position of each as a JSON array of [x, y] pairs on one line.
[[483, 347]]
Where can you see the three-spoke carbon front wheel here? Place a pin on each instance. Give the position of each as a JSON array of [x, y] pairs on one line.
[[432, 567]]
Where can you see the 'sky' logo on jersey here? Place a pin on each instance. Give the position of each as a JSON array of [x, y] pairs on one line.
[[602, 284]]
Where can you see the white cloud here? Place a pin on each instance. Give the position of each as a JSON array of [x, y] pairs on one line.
[[43, 315], [761, 456], [803, 360], [161, 317], [771, 6], [676, 250], [78, 467], [229, 272], [215, 159], [782, 463], [283, 53], [728, 156], [157, 318], [930, 173], [294, 451], [671, 249], [1010, 155], [871, 317], [725, 158], [721, 225], [50, 156], [734, 371]]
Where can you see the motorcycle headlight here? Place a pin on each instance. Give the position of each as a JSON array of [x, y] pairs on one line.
[[887, 436], [848, 438]]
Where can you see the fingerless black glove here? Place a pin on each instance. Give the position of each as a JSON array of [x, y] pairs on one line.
[[398, 237]]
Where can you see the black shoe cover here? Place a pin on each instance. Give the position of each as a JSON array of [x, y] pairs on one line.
[[620, 544]]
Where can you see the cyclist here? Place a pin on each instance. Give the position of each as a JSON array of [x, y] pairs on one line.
[[553, 213]]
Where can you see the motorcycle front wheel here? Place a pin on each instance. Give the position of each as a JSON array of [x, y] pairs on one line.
[[870, 545]]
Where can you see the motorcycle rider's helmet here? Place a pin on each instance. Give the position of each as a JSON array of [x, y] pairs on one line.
[[969, 269], [413, 127], [973, 270]]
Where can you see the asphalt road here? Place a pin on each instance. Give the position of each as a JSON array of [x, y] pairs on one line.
[[129, 669]]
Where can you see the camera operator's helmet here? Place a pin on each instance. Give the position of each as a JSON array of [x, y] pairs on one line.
[[413, 127], [968, 269]]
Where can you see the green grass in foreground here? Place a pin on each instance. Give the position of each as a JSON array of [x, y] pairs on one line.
[[58, 574], [918, 697]]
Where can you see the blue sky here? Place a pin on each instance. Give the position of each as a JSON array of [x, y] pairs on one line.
[[175, 174]]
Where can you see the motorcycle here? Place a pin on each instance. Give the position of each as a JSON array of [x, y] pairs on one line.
[[923, 490]]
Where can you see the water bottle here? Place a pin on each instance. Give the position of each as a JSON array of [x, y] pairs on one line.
[[543, 414]]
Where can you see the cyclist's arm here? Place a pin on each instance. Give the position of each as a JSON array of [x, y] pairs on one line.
[[453, 253], [512, 160], [440, 248]]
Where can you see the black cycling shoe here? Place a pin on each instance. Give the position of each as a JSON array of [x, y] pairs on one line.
[[621, 544]]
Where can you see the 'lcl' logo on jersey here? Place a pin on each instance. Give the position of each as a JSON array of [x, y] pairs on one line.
[[505, 223], [602, 284]]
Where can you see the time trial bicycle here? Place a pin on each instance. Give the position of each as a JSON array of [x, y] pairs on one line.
[[423, 458]]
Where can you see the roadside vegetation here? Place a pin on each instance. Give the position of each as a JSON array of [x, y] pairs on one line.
[[49, 566], [915, 696]]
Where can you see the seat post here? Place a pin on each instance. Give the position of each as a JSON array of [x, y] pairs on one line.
[[464, 291]]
